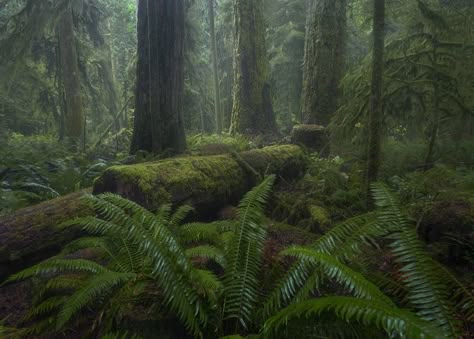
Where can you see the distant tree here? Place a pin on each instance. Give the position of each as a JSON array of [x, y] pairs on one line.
[[323, 59], [252, 110], [158, 124], [376, 94], [70, 77], [215, 71]]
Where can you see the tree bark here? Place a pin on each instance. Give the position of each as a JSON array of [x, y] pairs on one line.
[[252, 111], [215, 71], [323, 59], [74, 110], [158, 124], [376, 97]]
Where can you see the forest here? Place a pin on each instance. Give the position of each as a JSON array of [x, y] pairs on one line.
[[236, 169]]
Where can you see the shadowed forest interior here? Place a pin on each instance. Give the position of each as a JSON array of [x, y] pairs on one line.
[[236, 169]]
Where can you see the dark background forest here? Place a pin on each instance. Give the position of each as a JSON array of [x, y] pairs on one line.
[[269, 167]]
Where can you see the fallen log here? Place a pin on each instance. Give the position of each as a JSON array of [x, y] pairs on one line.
[[207, 183], [29, 234]]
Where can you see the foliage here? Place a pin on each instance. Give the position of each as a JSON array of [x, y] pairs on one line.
[[329, 192], [144, 256], [428, 293], [37, 168], [148, 259]]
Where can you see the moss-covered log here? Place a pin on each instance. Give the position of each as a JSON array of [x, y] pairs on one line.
[[31, 233], [206, 183], [313, 137]]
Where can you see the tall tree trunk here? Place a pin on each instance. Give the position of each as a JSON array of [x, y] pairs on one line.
[[158, 124], [74, 110], [435, 109], [323, 59], [376, 97], [252, 110], [217, 94]]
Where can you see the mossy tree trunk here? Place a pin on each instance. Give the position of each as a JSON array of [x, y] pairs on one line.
[[215, 69], [70, 77], [376, 96], [252, 110], [323, 59], [158, 124]]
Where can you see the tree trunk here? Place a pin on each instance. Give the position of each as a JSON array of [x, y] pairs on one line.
[[158, 124], [252, 111], [74, 111], [217, 94], [323, 59], [376, 97]]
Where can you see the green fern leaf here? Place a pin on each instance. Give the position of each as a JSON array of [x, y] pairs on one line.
[[352, 310]]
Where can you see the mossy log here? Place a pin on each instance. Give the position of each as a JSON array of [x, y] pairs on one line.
[[29, 234], [313, 137], [206, 183]]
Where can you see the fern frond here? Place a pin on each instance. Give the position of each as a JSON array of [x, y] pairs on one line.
[[462, 294], [353, 310], [170, 266], [46, 307], [389, 213], [178, 217], [98, 286], [342, 241], [57, 266], [104, 243], [207, 284], [207, 252], [353, 281], [244, 255], [427, 289], [60, 282], [195, 233]]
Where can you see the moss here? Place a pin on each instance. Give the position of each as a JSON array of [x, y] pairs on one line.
[[321, 219], [207, 182], [177, 180]]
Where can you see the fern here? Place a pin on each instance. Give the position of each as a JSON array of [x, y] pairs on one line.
[[207, 252], [137, 243], [342, 241], [244, 256], [351, 310], [58, 266], [427, 290], [353, 281], [195, 233], [98, 286]]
